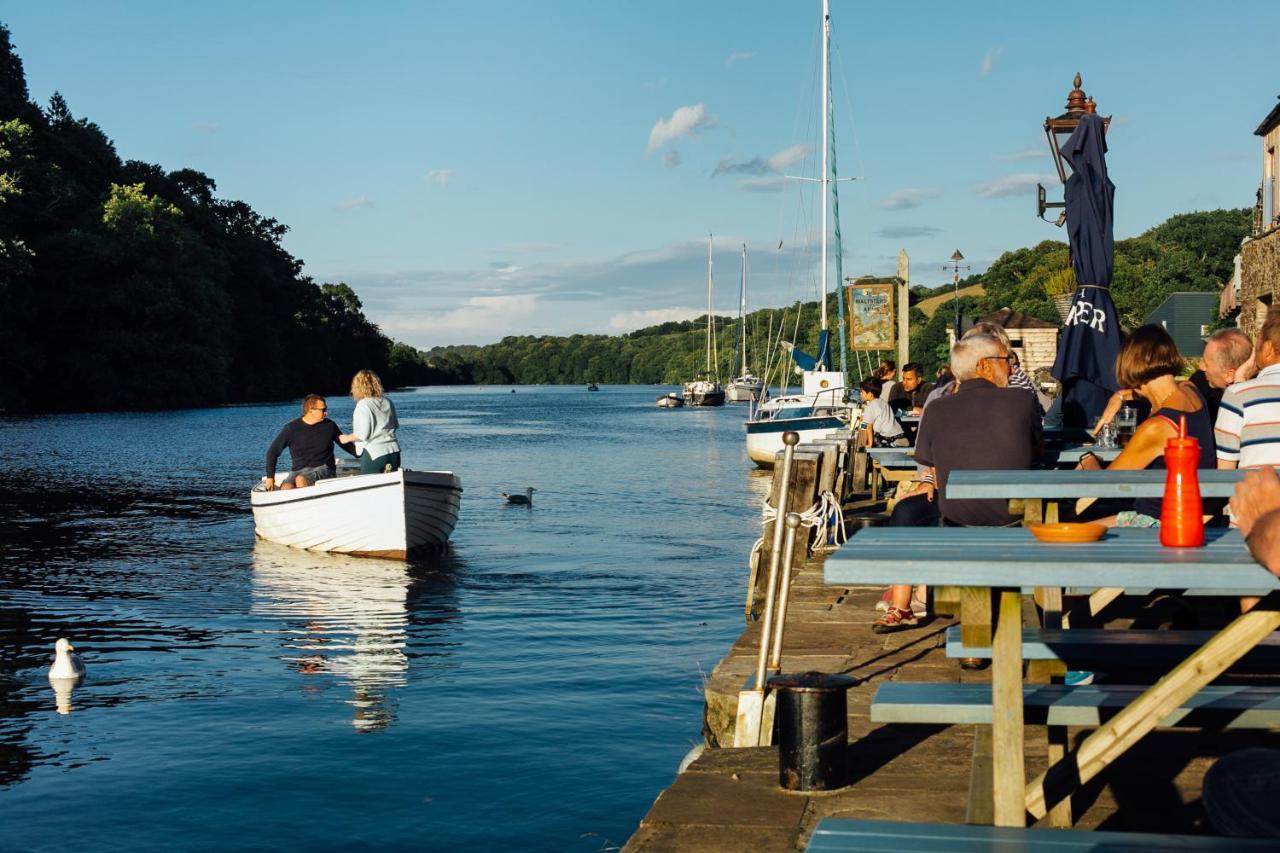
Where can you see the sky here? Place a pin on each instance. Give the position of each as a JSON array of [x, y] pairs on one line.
[[481, 170]]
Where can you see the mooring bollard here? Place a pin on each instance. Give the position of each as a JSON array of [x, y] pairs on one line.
[[813, 730]]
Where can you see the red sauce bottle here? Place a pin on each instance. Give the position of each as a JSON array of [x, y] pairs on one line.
[[1182, 513]]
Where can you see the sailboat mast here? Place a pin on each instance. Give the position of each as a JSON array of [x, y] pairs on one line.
[[742, 309], [826, 175], [708, 306]]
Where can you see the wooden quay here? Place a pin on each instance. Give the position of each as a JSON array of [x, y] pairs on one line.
[[982, 761]]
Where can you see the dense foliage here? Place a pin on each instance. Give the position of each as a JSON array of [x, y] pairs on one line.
[[1187, 252], [127, 286]]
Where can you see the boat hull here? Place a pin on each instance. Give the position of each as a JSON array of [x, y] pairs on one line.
[[743, 392], [764, 438], [393, 516], [670, 401], [704, 398]]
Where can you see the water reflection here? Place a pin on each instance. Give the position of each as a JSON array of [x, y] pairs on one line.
[[345, 618]]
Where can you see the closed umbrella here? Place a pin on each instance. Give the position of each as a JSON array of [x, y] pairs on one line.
[[1086, 361]]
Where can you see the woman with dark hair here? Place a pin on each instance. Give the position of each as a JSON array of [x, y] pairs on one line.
[[1148, 365], [887, 373]]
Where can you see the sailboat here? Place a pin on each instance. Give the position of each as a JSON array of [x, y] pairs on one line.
[[707, 390], [821, 406], [747, 387]]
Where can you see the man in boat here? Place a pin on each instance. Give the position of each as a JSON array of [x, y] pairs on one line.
[[310, 440]]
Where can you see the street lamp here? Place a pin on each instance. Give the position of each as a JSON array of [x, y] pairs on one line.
[[954, 265], [1057, 131]]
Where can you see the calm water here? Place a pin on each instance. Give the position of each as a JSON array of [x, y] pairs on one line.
[[535, 690]]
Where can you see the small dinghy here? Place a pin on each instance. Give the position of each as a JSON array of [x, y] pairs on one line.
[[394, 515], [670, 401]]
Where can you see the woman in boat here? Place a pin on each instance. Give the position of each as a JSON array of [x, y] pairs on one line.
[[373, 425], [1148, 365]]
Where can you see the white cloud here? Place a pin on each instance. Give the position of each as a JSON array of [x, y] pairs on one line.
[[989, 60], [481, 316], [901, 232], [1011, 185], [671, 159], [1035, 153], [739, 56], [685, 121], [354, 202], [438, 177], [763, 165], [908, 197], [764, 185], [628, 321]]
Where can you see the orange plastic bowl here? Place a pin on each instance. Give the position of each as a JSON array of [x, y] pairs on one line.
[[1068, 532]]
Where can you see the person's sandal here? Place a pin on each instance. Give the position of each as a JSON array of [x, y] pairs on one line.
[[895, 620]]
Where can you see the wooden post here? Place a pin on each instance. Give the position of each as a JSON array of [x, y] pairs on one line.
[[1144, 713], [975, 617], [1008, 768], [802, 491], [904, 291]]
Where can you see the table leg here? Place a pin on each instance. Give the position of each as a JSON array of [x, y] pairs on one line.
[[1008, 766], [1143, 714]]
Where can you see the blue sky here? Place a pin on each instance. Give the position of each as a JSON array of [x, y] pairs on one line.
[[478, 170]]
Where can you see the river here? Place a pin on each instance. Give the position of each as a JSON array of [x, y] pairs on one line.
[[534, 690]]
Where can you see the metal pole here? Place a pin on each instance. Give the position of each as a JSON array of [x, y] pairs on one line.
[[784, 591], [790, 439], [826, 176]]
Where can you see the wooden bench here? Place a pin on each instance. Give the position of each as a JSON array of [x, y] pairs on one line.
[[1089, 648], [840, 835], [1089, 706]]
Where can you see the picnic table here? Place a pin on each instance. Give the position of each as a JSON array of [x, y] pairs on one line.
[[1042, 489], [898, 463], [986, 571]]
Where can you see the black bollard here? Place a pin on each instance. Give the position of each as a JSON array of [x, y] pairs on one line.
[[813, 730]]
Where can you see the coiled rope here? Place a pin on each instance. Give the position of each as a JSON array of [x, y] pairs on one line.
[[824, 518]]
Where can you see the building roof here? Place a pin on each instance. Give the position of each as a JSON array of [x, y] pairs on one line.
[[1009, 319], [1192, 297], [1272, 119]]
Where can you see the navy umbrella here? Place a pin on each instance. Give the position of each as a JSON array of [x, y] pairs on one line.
[[1086, 362]]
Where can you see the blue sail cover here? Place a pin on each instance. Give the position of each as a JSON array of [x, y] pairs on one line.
[[821, 361], [1086, 361]]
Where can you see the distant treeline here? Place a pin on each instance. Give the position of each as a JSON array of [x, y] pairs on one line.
[[125, 286]]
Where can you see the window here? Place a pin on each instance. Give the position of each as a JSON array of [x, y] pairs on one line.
[[1204, 330]]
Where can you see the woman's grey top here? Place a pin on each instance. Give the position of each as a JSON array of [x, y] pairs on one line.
[[374, 422]]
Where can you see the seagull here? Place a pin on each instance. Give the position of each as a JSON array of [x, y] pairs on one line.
[[520, 500], [65, 664]]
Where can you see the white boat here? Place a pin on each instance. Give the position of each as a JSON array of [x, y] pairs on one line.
[[707, 390], [822, 405], [394, 515], [748, 387], [812, 415]]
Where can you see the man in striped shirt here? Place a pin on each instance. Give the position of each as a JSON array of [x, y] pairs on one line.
[[1247, 431]]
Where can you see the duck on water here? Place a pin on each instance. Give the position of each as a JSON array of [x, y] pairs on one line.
[[520, 500]]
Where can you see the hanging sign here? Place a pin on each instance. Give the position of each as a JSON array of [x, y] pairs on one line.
[[871, 326]]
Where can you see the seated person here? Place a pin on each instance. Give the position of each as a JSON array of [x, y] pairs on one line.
[[1148, 365], [983, 425], [1241, 789], [310, 440], [882, 428], [909, 394]]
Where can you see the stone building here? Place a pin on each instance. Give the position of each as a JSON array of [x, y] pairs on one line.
[[1260, 253]]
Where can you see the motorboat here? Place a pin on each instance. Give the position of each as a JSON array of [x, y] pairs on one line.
[[671, 400], [395, 515]]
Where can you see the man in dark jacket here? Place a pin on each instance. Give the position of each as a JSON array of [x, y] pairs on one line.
[[910, 393], [310, 440]]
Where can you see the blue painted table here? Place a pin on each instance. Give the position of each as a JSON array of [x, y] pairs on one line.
[[1050, 484], [976, 566]]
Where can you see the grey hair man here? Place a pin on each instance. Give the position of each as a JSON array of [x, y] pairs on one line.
[[1228, 358], [981, 425]]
